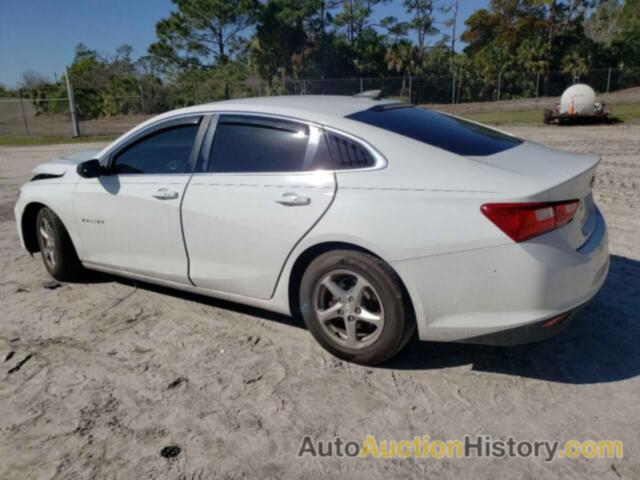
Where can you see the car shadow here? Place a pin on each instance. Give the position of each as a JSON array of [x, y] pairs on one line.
[[204, 300], [602, 345]]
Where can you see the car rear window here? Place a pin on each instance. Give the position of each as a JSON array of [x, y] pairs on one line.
[[437, 129]]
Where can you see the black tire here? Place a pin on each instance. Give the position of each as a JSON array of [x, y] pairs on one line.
[[65, 266], [398, 319]]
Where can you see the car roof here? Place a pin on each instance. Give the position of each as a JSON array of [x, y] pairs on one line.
[[322, 109], [311, 107]]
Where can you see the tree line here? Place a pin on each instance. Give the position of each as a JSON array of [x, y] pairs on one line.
[[215, 49]]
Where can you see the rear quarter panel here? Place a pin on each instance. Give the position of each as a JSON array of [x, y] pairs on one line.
[[425, 201]]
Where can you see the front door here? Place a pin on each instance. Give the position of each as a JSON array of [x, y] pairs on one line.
[[129, 218]]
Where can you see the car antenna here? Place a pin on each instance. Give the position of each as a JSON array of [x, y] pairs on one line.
[[372, 94]]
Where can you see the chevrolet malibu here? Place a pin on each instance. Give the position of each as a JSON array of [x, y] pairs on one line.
[[370, 219]]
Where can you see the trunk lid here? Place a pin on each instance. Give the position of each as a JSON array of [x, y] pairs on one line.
[[557, 176]]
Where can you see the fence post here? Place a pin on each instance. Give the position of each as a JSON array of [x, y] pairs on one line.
[[72, 106], [608, 79], [141, 98], [24, 115], [453, 87], [499, 83]]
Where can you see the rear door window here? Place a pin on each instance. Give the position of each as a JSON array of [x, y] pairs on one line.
[[258, 144], [437, 129]]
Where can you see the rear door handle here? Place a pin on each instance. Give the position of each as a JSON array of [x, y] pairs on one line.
[[293, 199], [165, 194]]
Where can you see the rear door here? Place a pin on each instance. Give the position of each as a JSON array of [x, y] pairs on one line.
[[129, 218], [263, 183]]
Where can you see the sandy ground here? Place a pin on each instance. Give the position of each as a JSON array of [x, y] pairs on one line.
[[98, 378]]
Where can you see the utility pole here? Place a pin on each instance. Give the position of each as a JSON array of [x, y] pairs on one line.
[[24, 115], [453, 86], [72, 106], [609, 80], [499, 83], [454, 21]]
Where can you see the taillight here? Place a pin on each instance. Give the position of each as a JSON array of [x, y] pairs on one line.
[[522, 221], [556, 320]]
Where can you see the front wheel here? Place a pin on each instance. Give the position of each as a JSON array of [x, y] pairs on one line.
[[58, 253], [353, 305]]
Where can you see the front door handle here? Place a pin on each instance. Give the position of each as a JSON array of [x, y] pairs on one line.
[[293, 199], [165, 194]]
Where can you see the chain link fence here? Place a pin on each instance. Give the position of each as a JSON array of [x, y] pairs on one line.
[[47, 112], [469, 87]]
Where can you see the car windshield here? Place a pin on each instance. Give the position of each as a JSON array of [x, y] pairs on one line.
[[437, 129]]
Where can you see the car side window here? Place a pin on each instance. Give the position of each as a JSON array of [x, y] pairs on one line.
[[245, 143], [348, 154], [164, 151]]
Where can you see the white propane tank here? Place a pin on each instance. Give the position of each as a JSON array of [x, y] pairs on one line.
[[578, 99]]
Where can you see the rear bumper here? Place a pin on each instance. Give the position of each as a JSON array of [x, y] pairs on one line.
[[531, 333], [467, 296]]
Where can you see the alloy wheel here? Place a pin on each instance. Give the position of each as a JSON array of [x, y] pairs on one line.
[[48, 243], [348, 308]]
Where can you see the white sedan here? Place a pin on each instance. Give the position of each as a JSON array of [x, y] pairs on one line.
[[370, 219]]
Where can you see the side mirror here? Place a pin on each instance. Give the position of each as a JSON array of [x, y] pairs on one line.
[[90, 169]]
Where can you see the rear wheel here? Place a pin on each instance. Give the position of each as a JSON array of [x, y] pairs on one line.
[[58, 253], [353, 305]]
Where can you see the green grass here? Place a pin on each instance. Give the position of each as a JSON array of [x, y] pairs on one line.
[[52, 140], [516, 117], [628, 112]]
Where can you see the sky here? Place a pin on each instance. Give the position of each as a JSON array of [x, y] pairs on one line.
[[41, 35]]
